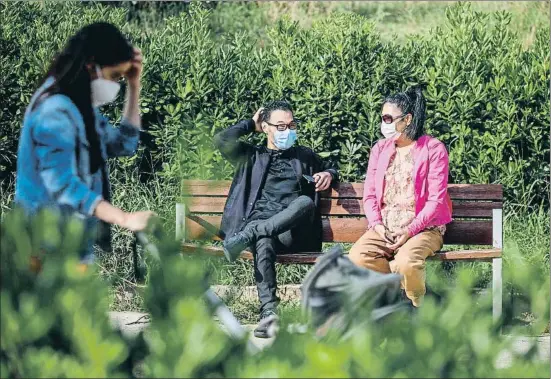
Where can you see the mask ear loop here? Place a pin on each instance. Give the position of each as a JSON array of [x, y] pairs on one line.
[[98, 72]]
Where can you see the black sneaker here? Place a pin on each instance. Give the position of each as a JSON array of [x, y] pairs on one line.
[[234, 245], [267, 327]]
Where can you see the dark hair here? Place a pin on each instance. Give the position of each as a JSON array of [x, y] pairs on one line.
[[411, 101], [279, 105], [100, 43]]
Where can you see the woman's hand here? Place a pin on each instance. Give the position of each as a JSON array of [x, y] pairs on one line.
[[131, 110], [133, 75], [400, 238], [137, 221], [133, 221], [381, 231]]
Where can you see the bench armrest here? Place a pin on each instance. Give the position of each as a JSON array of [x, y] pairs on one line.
[[183, 213]]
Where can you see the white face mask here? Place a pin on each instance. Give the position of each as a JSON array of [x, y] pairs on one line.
[[103, 91], [389, 130]]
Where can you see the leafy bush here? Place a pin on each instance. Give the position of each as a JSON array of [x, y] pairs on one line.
[[54, 324], [487, 94]]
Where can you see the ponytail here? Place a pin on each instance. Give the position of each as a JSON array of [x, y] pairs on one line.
[[411, 101]]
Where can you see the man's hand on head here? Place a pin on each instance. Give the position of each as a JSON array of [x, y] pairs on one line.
[[323, 180], [257, 122]]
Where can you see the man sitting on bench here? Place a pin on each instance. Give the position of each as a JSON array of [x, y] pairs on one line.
[[272, 203]]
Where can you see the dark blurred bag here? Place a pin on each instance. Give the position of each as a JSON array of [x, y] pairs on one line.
[[337, 294]]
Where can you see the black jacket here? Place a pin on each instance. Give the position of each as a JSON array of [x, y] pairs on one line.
[[251, 163]]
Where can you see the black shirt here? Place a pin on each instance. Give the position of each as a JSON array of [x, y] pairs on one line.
[[280, 188]]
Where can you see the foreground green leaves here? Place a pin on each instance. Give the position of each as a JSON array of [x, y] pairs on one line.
[[54, 324]]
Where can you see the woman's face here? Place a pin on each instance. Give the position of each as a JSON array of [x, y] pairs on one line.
[[113, 73], [392, 114]]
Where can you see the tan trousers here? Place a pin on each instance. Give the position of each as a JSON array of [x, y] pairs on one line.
[[370, 251]]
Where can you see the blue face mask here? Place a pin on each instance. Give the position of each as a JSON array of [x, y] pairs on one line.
[[285, 139]]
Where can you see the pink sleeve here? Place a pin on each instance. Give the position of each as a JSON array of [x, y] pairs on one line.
[[437, 182], [371, 205]]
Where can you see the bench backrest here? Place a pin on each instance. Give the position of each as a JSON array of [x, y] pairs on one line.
[[343, 215]]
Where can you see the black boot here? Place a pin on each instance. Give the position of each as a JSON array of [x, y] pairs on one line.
[[268, 325], [234, 245]]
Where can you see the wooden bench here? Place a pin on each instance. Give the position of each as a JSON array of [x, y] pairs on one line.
[[477, 213]]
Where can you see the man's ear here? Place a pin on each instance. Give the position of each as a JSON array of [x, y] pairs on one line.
[[264, 127]]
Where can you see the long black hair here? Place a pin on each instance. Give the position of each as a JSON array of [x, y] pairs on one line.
[[99, 43], [413, 102]]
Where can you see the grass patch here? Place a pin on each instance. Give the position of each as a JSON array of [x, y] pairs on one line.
[[393, 20], [247, 310]]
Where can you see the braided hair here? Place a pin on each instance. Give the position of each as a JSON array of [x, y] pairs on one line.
[[413, 102]]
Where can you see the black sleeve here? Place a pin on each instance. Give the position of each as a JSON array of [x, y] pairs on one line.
[[227, 141]]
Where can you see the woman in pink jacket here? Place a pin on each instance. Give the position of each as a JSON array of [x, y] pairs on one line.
[[405, 196]]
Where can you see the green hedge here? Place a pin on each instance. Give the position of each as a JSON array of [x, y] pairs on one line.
[[487, 94]]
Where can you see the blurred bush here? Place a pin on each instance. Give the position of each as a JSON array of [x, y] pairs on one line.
[[54, 320], [54, 324]]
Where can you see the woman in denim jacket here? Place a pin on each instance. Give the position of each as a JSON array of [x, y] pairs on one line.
[[65, 141]]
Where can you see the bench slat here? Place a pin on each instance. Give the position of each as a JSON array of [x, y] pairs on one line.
[[310, 258], [349, 230], [490, 192], [348, 207]]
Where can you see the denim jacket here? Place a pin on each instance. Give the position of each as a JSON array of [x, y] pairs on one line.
[[53, 167]]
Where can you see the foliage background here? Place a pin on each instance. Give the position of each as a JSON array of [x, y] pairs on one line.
[[487, 88]]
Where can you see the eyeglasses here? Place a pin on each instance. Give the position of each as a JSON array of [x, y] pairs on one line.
[[293, 125], [389, 119]]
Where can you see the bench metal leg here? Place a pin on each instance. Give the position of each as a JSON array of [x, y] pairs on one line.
[[497, 265], [180, 221], [497, 288]]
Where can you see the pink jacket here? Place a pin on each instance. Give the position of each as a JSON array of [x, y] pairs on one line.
[[432, 202]]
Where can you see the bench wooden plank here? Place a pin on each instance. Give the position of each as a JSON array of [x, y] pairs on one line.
[[348, 207], [310, 258], [468, 255], [349, 230], [490, 192]]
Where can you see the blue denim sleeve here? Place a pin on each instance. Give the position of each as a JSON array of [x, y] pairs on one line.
[[121, 141], [55, 138]]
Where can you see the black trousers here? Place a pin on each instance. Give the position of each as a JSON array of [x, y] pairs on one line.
[[285, 232]]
